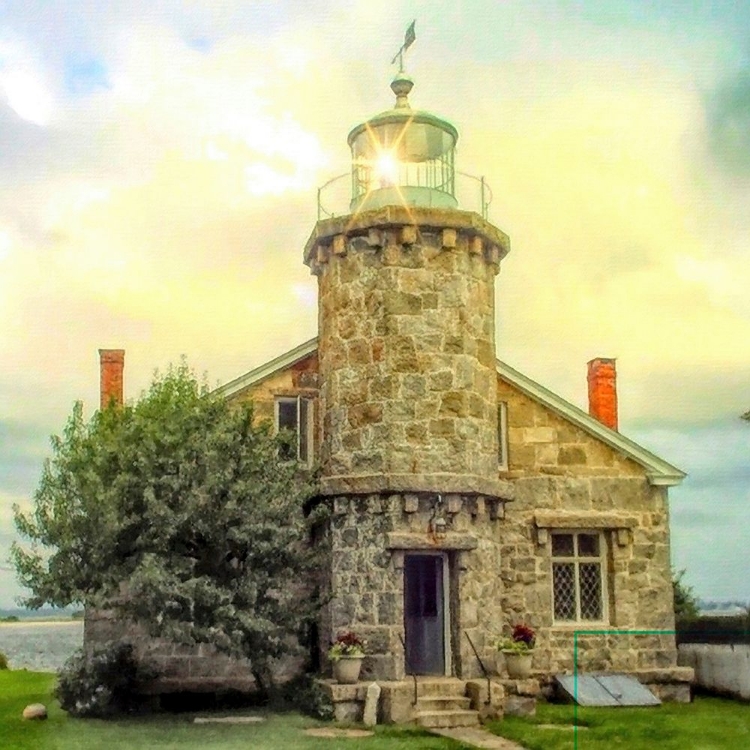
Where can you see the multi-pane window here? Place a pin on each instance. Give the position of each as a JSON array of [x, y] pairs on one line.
[[294, 417], [502, 436], [578, 576]]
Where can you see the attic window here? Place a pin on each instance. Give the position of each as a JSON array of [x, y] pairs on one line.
[[294, 416], [502, 436]]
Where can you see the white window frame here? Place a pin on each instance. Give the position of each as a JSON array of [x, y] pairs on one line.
[[308, 426], [602, 559], [502, 436]]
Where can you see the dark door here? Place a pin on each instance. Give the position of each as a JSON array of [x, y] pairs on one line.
[[424, 610]]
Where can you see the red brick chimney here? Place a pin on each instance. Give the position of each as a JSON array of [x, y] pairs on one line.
[[111, 364], [602, 379]]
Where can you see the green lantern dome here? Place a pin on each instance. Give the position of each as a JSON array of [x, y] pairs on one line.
[[403, 157]]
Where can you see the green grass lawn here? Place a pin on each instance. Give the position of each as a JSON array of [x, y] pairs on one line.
[[705, 724], [280, 731]]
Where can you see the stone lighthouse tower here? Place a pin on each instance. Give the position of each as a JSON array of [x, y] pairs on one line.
[[409, 454]]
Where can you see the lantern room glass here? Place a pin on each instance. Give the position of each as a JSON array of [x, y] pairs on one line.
[[403, 157]]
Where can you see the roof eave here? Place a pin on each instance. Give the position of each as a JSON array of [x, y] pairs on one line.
[[233, 387], [658, 471]]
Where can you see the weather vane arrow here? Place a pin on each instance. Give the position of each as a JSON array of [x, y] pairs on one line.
[[409, 38]]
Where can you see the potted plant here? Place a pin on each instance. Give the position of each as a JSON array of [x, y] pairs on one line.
[[517, 651], [346, 654]]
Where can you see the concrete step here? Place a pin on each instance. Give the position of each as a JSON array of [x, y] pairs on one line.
[[443, 703], [443, 719]]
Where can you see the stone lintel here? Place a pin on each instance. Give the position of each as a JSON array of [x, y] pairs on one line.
[[459, 484], [558, 519], [451, 540], [390, 217]]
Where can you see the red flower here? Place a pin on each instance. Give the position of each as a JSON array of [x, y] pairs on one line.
[[524, 634]]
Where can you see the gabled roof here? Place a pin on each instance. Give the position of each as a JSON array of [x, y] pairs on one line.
[[657, 469], [659, 472], [267, 369]]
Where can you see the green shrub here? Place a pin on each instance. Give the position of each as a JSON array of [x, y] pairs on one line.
[[105, 682], [305, 695], [3, 661]]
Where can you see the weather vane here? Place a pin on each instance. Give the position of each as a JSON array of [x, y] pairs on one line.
[[409, 38]]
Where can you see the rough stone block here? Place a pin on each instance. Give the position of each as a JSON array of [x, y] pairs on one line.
[[411, 503], [476, 690], [372, 698], [409, 234], [396, 703], [35, 711], [338, 245], [449, 238], [347, 712], [476, 245], [374, 237], [520, 705], [454, 503]]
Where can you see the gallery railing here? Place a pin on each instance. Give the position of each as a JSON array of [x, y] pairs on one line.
[[335, 196]]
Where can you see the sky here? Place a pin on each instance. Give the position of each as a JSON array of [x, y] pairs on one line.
[[159, 163]]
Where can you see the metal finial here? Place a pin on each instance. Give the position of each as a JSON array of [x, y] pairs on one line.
[[401, 85]]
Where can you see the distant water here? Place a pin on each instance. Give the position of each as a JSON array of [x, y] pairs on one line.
[[40, 646]]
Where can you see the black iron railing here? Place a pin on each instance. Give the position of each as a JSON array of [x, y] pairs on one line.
[[481, 664], [410, 670]]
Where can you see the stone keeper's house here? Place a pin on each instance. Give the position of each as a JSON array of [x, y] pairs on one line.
[[465, 497]]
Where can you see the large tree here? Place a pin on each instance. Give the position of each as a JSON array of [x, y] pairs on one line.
[[176, 512]]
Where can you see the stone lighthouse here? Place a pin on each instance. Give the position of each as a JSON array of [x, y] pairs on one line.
[[408, 404]]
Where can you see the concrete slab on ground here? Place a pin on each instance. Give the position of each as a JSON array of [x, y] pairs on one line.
[[478, 738]]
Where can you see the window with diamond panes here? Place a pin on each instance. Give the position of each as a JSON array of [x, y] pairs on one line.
[[578, 565]]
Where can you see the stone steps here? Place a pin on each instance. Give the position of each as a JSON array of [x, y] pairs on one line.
[[430, 687], [442, 703], [445, 719]]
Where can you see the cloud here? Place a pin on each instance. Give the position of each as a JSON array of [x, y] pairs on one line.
[[23, 84], [708, 511], [163, 204], [728, 113]]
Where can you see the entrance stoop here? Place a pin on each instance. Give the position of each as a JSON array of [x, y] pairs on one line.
[[442, 703]]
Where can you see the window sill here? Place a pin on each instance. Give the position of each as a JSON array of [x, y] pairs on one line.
[[565, 627]]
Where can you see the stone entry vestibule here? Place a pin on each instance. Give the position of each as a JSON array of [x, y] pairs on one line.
[[426, 613]]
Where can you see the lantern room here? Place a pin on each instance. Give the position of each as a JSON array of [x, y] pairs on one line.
[[403, 157]]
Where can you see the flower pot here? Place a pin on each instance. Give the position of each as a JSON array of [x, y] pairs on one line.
[[518, 665], [346, 669]]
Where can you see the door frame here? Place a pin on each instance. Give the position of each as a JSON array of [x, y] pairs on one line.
[[447, 660]]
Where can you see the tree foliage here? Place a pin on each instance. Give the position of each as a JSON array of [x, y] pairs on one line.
[[685, 601], [175, 512]]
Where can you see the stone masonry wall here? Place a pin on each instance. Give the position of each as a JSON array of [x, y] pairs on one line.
[[370, 536], [566, 479], [406, 348], [300, 379]]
